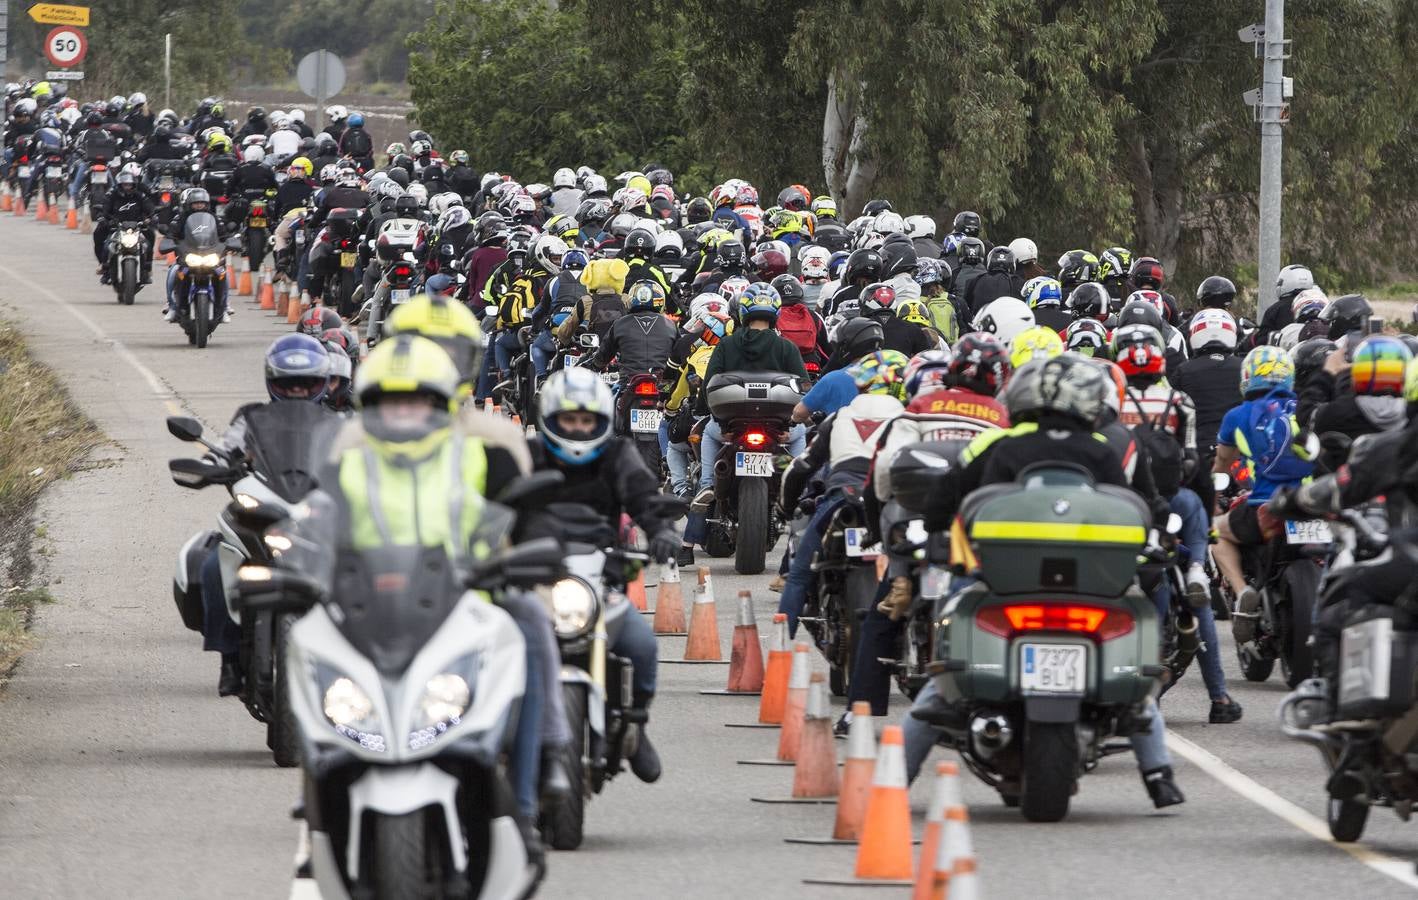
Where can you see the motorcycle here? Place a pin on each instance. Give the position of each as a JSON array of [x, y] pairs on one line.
[[256, 229], [201, 305], [638, 415], [127, 248], [166, 178], [399, 276], [289, 442], [1371, 748], [847, 578], [405, 684], [342, 225], [755, 411], [53, 186], [93, 193], [1054, 648]]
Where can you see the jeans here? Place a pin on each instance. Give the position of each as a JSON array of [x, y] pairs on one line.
[[506, 346], [871, 681], [485, 377], [677, 456], [636, 642], [1194, 535], [713, 441], [80, 172], [543, 349], [800, 575], [542, 720], [219, 632]]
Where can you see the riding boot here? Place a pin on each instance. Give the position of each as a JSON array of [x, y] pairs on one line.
[[1162, 788], [231, 679], [556, 782], [644, 762]]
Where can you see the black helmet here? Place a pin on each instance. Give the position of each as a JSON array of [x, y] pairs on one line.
[[698, 211], [432, 172], [1346, 314], [491, 228], [1309, 356], [399, 176], [255, 113], [419, 135], [402, 161], [1141, 313], [899, 254], [1216, 292], [1001, 260], [732, 255], [972, 250], [789, 289], [327, 147], [855, 339], [967, 223], [93, 120], [873, 207], [406, 206], [864, 263], [639, 244], [1089, 300], [113, 110], [1076, 267]]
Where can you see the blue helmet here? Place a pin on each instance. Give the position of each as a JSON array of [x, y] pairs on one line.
[[356, 120], [760, 301], [297, 368]]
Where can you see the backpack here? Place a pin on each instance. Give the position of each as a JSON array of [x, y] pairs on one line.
[[943, 316], [605, 309], [1270, 431], [797, 324], [1164, 452]]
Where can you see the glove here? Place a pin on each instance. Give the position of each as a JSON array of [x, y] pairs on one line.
[[664, 545], [898, 599]]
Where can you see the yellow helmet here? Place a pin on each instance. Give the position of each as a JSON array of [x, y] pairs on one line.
[[913, 311], [1038, 342], [304, 165], [406, 365], [447, 323], [219, 143], [563, 227], [640, 183], [1410, 381], [605, 275]]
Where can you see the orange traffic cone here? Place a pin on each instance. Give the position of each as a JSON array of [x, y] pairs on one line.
[[815, 770], [796, 705], [71, 218], [41, 210], [945, 795], [746, 653], [244, 283], [884, 853], [6, 201], [703, 643], [669, 605], [962, 883], [19, 206], [776, 674], [294, 311], [266, 292], [856, 775], [281, 299], [635, 591], [51, 215]]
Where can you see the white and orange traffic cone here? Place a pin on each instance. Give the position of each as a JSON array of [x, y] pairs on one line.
[[884, 852], [776, 673], [635, 592], [745, 654], [815, 778], [945, 795], [669, 603], [856, 781], [794, 705]]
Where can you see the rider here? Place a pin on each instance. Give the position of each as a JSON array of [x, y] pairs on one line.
[[194, 200], [640, 340], [1374, 400], [708, 323], [356, 143], [126, 203]]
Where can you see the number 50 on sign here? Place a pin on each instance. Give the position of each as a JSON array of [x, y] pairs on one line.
[[65, 46]]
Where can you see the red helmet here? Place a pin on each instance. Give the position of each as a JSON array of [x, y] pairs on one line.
[[1139, 350], [878, 297], [770, 263], [1147, 273], [980, 363]]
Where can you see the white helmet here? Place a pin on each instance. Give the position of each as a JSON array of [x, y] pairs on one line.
[[595, 184], [576, 389], [253, 140], [348, 176], [1024, 250], [337, 113], [137, 99], [813, 261], [297, 114], [437, 204], [920, 226], [548, 251], [888, 222], [1293, 279], [1004, 318], [253, 154], [327, 173], [1212, 326], [564, 178], [707, 302], [669, 243], [418, 192]]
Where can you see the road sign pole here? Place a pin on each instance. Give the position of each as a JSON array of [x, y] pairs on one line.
[[4, 35], [321, 66], [1273, 114], [167, 71]]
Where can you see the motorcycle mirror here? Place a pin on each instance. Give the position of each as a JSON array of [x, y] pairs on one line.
[[184, 428], [233, 243], [1174, 524], [527, 490], [589, 341]]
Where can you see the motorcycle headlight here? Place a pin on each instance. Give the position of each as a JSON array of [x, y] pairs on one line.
[[203, 260], [573, 607], [128, 240], [349, 709], [444, 701]]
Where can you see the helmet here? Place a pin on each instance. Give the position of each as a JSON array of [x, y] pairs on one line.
[[698, 210], [824, 206], [575, 259], [137, 99], [1066, 385], [967, 223], [594, 211], [732, 255], [1024, 250], [253, 154], [759, 301], [645, 296], [1034, 343], [303, 165], [25, 107], [878, 298], [319, 320], [706, 303], [575, 390], [348, 176], [1043, 292], [563, 178], [1146, 272], [915, 312], [920, 226], [731, 289], [881, 372], [1000, 260], [219, 143], [888, 222], [1212, 328], [1004, 317], [1151, 298], [789, 289], [459, 157], [1379, 367], [1086, 337], [927, 371], [595, 184], [1114, 263], [1308, 304], [931, 271], [980, 363], [785, 222], [972, 250], [255, 113], [193, 196], [1266, 368], [1216, 291], [1141, 313], [791, 198], [519, 244], [865, 264], [812, 261], [297, 368], [491, 228], [418, 148], [898, 254], [1089, 300], [770, 261], [1113, 399], [1076, 267], [837, 264], [855, 338], [356, 120], [1293, 279], [126, 179], [1139, 350], [1309, 356], [547, 252], [297, 114], [407, 366], [94, 120], [1346, 314], [340, 392]]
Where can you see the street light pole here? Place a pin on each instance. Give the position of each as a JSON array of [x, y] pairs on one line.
[[1272, 111]]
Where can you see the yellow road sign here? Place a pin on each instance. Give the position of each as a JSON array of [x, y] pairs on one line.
[[55, 14]]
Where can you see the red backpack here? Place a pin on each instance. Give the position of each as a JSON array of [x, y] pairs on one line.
[[797, 324]]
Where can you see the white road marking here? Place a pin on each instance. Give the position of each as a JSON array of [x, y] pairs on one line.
[[304, 889], [1398, 869]]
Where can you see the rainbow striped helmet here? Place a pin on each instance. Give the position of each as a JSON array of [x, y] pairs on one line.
[[1379, 367]]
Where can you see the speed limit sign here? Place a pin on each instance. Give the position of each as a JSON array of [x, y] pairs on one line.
[[65, 46]]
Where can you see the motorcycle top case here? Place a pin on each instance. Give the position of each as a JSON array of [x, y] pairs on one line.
[[1072, 538], [396, 237], [762, 396], [342, 222], [918, 472], [1377, 664]]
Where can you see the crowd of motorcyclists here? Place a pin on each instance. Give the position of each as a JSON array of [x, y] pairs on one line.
[[557, 301]]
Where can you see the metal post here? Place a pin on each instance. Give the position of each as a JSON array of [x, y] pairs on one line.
[[4, 35], [321, 67], [1273, 112], [167, 71]]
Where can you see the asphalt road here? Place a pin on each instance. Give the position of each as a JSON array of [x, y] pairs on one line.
[[123, 774]]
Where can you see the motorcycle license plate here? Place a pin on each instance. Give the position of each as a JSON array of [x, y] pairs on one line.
[[645, 420], [754, 465], [857, 546], [1310, 531], [166, 183], [53, 172], [24, 171], [1053, 668], [347, 260], [611, 378], [257, 222], [398, 296], [99, 178], [935, 580]]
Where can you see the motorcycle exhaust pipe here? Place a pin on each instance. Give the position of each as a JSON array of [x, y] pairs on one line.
[[1188, 643], [990, 734]]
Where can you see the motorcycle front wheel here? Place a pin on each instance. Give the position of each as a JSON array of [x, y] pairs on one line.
[[405, 865], [128, 281], [564, 819]]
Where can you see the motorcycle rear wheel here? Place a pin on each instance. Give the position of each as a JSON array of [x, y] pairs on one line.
[[1050, 770], [1254, 667], [564, 819], [750, 542]]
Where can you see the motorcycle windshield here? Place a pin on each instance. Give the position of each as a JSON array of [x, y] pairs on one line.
[[392, 600], [289, 441], [202, 234]]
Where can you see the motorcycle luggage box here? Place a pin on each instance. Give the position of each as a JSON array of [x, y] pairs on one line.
[[762, 396], [1070, 538], [1377, 664], [342, 222], [189, 602], [918, 473], [396, 237]]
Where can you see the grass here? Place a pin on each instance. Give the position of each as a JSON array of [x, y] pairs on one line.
[[43, 434], [16, 611]]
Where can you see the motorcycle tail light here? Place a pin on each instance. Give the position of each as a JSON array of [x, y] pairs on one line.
[[402, 271], [1101, 622], [755, 438], [812, 367], [166, 197], [647, 389]]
